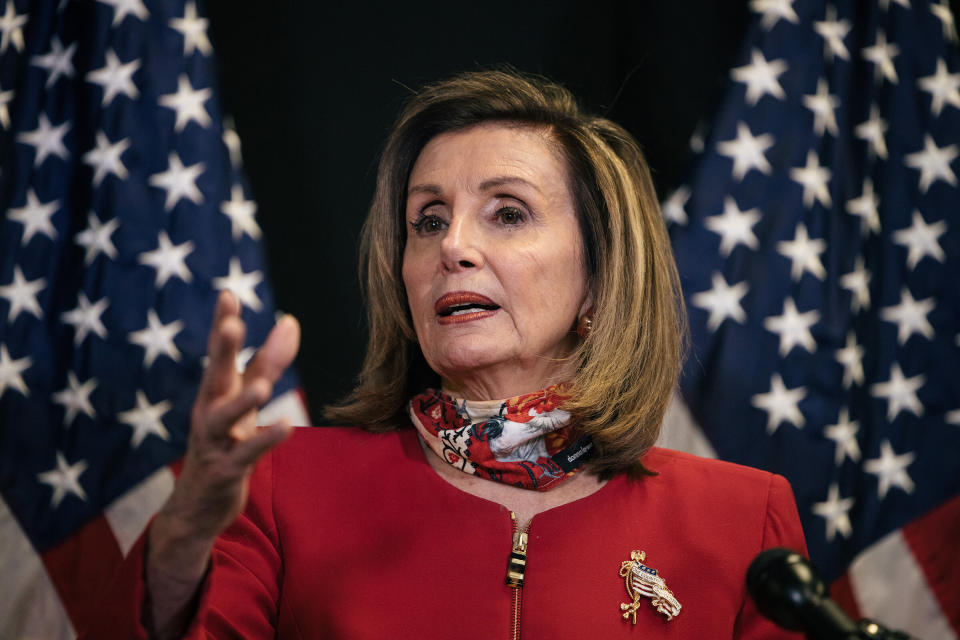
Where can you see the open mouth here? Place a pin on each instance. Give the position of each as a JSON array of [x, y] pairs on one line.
[[459, 310], [457, 304]]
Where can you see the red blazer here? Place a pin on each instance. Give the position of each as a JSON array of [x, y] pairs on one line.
[[353, 535]]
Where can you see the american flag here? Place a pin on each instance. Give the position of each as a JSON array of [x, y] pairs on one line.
[[124, 213], [818, 240]]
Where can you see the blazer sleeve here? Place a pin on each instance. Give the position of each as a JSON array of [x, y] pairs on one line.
[[781, 529], [242, 590], [239, 595]]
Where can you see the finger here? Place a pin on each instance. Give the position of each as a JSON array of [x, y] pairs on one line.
[[225, 419], [221, 373], [226, 339], [227, 304], [277, 353], [248, 451]]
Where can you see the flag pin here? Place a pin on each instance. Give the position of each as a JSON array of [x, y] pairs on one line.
[[645, 582]]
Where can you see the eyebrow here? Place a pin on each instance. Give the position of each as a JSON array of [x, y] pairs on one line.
[[500, 181], [486, 185], [424, 188]]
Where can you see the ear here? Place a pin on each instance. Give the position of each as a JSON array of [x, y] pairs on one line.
[[584, 324], [586, 307]]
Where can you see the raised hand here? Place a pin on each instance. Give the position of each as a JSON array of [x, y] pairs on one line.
[[223, 446]]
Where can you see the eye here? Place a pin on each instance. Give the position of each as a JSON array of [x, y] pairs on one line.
[[427, 224], [510, 215]]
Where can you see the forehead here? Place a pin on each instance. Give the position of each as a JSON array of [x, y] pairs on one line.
[[491, 150]]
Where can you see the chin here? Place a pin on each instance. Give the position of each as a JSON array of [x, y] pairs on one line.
[[463, 356]]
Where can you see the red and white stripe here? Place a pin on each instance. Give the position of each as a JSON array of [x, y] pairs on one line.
[[908, 580], [48, 596]]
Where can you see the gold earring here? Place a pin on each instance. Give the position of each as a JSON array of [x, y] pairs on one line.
[[585, 324]]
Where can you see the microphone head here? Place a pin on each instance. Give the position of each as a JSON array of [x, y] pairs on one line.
[[784, 585]]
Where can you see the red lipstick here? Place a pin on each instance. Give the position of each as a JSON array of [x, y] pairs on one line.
[[463, 306]]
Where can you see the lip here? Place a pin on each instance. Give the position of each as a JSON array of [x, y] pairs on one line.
[[456, 298], [461, 297]]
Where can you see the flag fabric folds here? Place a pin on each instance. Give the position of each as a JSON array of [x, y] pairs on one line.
[[124, 213], [818, 241]]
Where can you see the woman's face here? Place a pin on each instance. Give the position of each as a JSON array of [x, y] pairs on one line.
[[493, 264]]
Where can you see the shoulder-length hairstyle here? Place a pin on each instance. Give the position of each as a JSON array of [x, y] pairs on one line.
[[628, 366]]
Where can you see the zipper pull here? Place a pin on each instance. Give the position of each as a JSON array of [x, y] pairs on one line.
[[517, 563]]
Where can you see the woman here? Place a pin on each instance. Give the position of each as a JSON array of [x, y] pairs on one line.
[[526, 332]]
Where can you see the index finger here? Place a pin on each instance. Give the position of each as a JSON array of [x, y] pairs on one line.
[[226, 338], [227, 304]]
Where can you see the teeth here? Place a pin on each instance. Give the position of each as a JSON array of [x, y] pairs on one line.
[[459, 311], [470, 307]]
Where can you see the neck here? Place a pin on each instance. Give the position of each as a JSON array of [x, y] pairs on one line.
[[502, 383], [525, 504]]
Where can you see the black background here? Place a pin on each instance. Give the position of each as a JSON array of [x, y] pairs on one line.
[[314, 87]]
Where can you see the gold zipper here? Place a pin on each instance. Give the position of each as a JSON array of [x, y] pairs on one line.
[[516, 567]]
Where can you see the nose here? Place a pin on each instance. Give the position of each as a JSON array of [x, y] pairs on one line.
[[460, 246]]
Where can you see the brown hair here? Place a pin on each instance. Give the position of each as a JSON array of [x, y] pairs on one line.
[[628, 366]]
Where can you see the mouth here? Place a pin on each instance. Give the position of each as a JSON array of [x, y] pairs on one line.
[[462, 306]]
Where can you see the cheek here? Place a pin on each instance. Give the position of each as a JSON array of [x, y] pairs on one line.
[[418, 273], [412, 269], [412, 284], [553, 287]]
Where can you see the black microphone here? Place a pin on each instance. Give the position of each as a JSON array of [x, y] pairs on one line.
[[788, 590]]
